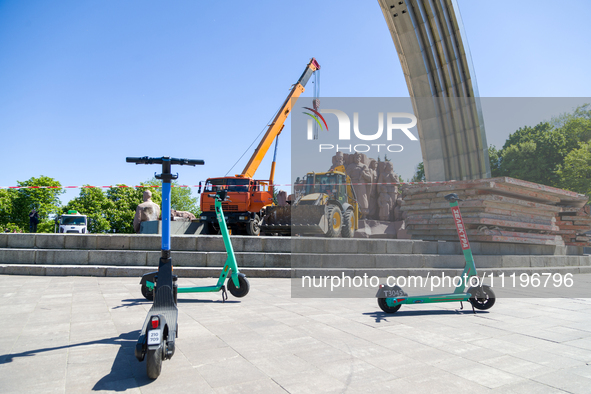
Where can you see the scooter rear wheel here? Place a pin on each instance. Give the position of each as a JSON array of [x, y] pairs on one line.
[[387, 308], [154, 363], [147, 293], [244, 286], [482, 298]]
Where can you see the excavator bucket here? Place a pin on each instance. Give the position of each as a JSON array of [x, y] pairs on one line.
[[309, 219], [277, 220], [301, 219]]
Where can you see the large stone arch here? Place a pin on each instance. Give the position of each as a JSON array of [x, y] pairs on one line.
[[430, 40]]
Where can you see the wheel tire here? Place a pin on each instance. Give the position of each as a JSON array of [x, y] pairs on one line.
[[253, 227], [244, 286], [335, 221], [348, 230], [482, 299], [387, 308], [212, 230], [147, 293], [154, 363]]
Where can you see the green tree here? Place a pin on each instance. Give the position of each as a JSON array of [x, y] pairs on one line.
[[494, 156], [6, 201], [180, 197], [125, 199], [581, 112], [419, 175], [576, 171], [576, 130], [93, 203], [533, 154], [45, 200]]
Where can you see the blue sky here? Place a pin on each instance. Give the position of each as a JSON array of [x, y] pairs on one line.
[[83, 84]]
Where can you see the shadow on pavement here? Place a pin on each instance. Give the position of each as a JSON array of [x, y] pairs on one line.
[[142, 301], [379, 316], [126, 371], [133, 302], [192, 301]]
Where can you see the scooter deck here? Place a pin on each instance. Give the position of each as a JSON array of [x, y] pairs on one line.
[[163, 305]]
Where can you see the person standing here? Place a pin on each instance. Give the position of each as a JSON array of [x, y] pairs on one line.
[[33, 221]]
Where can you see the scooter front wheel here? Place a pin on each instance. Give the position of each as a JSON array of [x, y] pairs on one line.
[[244, 286], [387, 308], [154, 363], [482, 298]]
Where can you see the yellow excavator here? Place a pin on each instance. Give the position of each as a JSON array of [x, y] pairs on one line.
[[325, 204]]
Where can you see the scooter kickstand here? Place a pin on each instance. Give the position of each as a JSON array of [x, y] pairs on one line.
[[461, 305], [224, 294]]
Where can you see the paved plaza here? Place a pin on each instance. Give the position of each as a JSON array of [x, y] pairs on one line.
[[77, 334]]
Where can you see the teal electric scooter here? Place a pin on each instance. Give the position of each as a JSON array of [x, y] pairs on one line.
[[237, 285], [390, 298]]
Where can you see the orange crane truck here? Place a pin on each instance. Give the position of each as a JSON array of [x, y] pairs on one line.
[[247, 196]]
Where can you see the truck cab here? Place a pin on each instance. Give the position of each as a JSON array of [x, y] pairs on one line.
[[72, 222], [246, 198]]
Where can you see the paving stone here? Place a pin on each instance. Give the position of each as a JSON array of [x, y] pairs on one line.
[[183, 243], [19, 241], [374, 246], [17, 256], [275, 244], [399, 246], [76, 334], [424, 247], [80, 241], [210, 243], [123, 258], [308, 245], [112, 242], [146, 242], [50, 241], [61, 257]]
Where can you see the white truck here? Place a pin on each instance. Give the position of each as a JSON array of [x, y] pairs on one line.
[[72, 222]]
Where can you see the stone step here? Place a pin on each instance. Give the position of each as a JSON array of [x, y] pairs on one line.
[[139, 258], [280, 260], [143, 242], [210, 272], [425, 272], [129, 271], [432, 261], [213, 243]]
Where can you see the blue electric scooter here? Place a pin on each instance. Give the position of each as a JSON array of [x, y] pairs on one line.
[[157, 338]]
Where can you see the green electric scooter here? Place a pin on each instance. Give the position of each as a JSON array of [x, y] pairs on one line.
[[390, 298], [237, 285]]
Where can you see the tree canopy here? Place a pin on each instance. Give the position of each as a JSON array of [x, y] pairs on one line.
[[15, 204], [114, 210], [551, 153], [419, 175], [180, 197], [554, 153], [110, 211]]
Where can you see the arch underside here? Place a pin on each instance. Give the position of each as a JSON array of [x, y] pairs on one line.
[[428, 36]]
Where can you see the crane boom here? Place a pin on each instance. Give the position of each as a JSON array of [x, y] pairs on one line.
[[279, 121]]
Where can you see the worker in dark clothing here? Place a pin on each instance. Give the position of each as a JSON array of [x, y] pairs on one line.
[[33, 221]]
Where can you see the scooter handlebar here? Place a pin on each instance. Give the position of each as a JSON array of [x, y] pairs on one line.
[[160, 160], [452, 197]]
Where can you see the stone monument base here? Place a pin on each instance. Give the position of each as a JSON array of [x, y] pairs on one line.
[[177, 227], [381, 229]]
